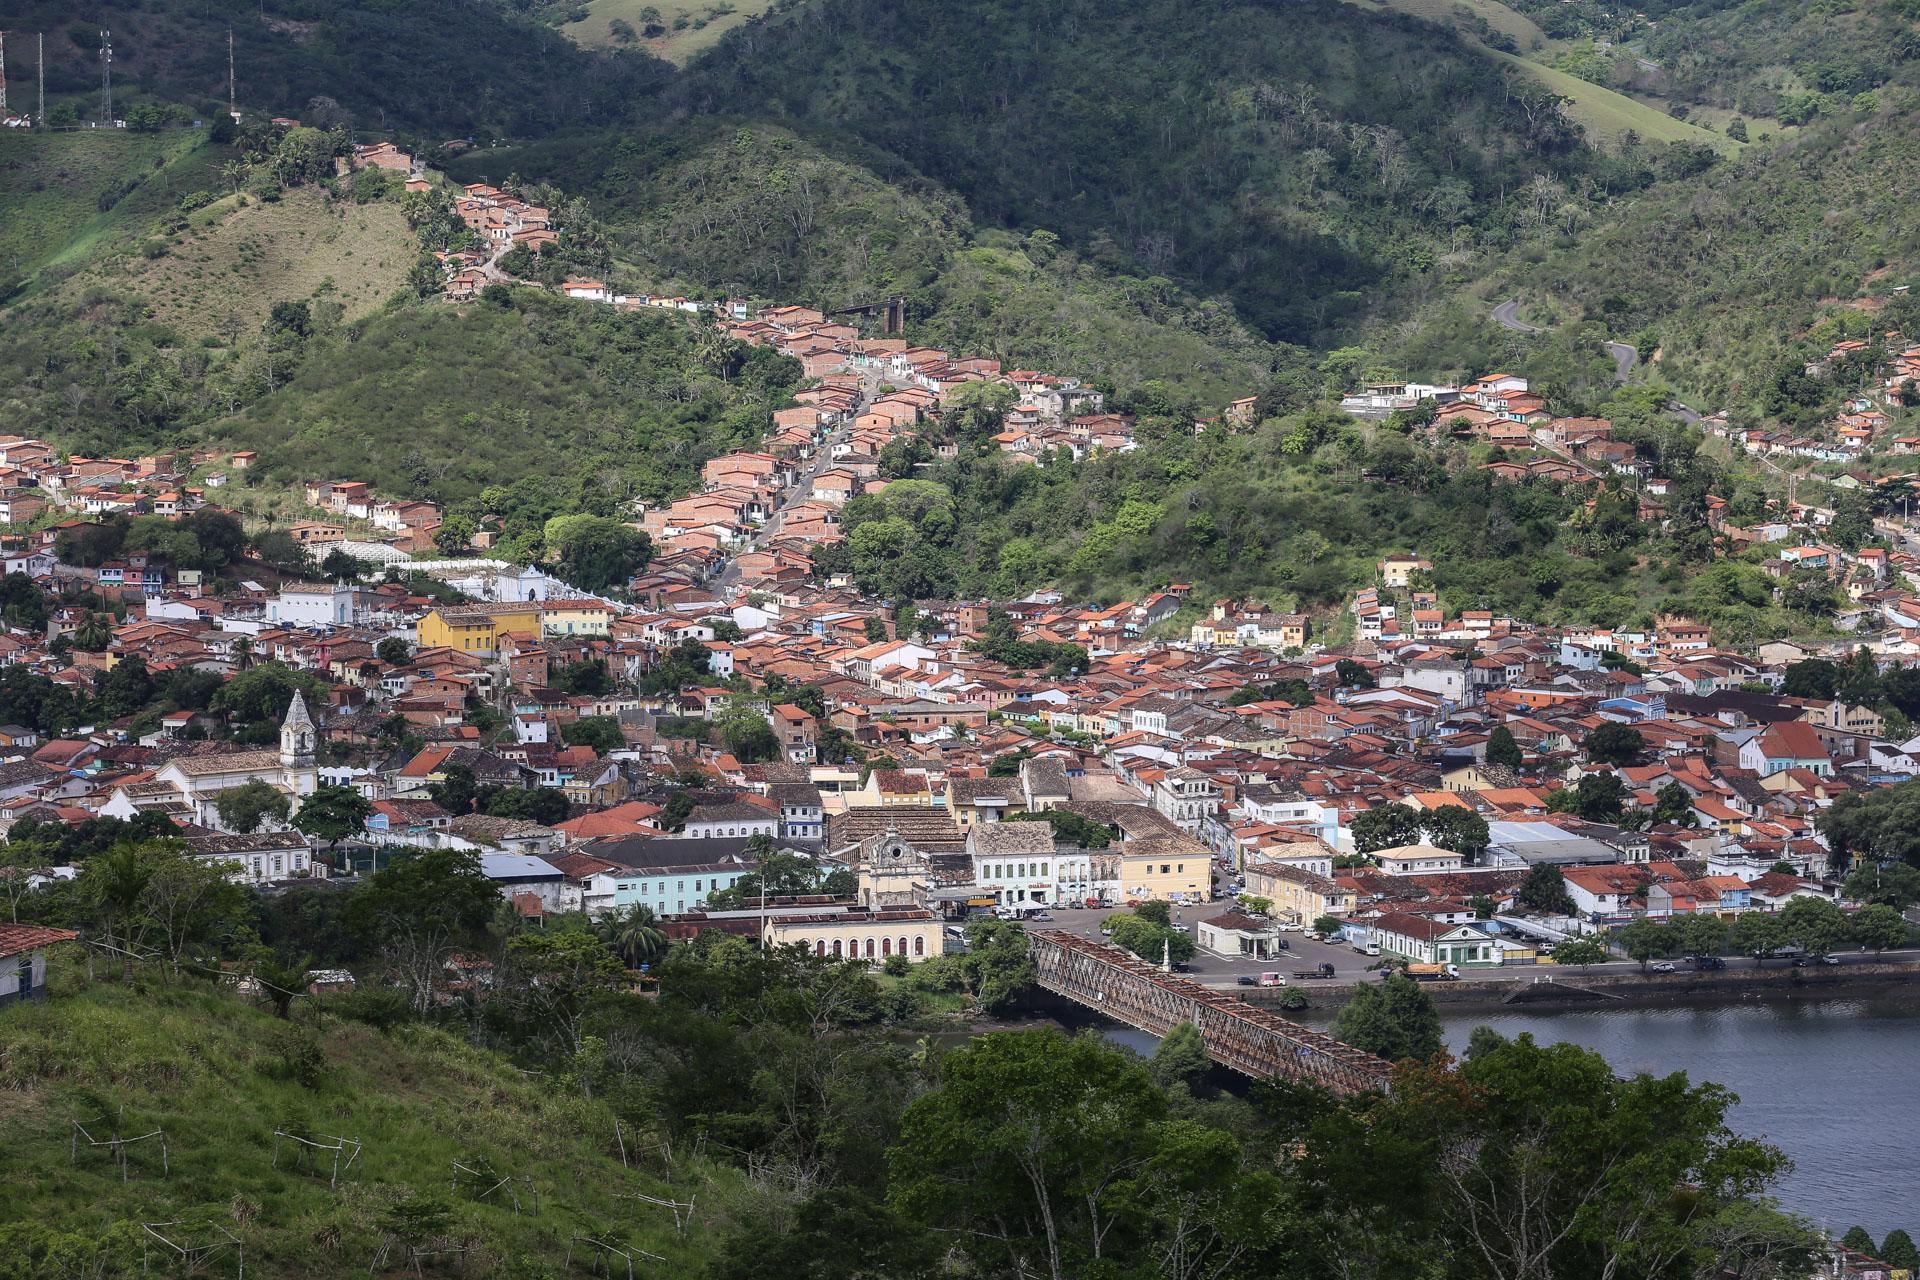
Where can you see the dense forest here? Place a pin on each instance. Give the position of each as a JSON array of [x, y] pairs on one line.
[[1782, 62], [704, 208], [1297, 160], [443, 403], [430, 69]]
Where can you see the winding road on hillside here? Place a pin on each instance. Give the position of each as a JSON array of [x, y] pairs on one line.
[[1503, 315], [1625, 356]]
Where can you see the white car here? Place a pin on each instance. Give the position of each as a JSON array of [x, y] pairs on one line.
[[1664, 966]]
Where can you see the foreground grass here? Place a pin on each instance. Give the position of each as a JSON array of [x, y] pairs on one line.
[[214, 1073]]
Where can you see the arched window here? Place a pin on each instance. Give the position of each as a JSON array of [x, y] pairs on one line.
[[836, 947], [886, 946], [903, 944], [820, 946], [869, 948], [920, 946]]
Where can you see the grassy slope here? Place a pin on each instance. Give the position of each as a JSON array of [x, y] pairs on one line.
[[1602, 112], [676, 46], [201, 1065], [237, 262], [1507, 21], [1607, 115], [50, 184]]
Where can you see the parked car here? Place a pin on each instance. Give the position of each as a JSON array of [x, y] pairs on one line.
[[1829, 958], [1181, 966], [1665, 966], [1312, 935], [1283, 944], [1247, 980], [1040, 915], [1709, 962]]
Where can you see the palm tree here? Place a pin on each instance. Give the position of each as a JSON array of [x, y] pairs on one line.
[[94, 633], [635, 934], [113, 883], [281, 981], [243, 653]]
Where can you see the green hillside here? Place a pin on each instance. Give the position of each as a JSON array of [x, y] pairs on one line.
[[440, 403], [686, 27], [705, 207], [62, 192], [219, 1076], [433, 69], [1305, 161]]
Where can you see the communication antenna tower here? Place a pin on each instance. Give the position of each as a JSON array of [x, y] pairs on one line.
[[231, 109], [3, 73], [106, 75], [43, 79]]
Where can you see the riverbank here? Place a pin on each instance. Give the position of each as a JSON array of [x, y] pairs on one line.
[[1569, 989]]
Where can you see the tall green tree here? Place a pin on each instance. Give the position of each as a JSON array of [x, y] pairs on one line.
[[1545, 889], [1615, 744], [418, 911], [1879, 927], [1394, 1019], [1502, 749], [245, 807], [1026, 1155], [333, 813], [1386, 826]]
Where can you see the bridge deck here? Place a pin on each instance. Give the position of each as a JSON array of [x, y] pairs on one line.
[[1252, 1041]]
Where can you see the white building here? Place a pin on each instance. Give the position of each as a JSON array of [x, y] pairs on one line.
[[314, 604], [1186, 797]]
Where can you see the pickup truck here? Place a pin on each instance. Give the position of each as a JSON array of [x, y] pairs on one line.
[[1433, 972], [1321, 971]]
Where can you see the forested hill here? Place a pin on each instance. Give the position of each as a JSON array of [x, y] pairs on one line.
[[704, 204], [441, 68], [1289, 157]]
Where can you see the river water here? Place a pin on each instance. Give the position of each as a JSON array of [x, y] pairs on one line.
[[1833, 1083]]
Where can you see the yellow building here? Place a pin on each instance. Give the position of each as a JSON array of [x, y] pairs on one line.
[[1297, 894], [867, 935], [476, 629], [1166, 868], [582, 616]]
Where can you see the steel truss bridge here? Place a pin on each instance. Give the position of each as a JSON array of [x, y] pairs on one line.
[[1252, 1041]]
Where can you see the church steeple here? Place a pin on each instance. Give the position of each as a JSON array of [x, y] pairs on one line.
[[297, 735]]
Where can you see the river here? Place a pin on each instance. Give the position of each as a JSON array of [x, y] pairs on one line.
[[1833, 1083]]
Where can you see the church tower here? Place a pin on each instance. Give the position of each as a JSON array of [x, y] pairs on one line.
[[297, 735], [892, 872]]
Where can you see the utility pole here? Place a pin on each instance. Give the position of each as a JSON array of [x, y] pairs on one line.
[[230, 107], [106, 76], [3, 73]]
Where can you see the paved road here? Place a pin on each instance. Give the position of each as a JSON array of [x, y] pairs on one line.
[[1350, 966], [1625, 356], [1503, 315]]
